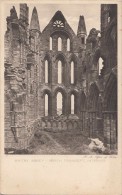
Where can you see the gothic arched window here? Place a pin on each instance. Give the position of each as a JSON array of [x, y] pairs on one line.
[[59, 103], [46, 71], [59, 43], [51, 43], [72, 72], [46, 105], [68, 44], [59, 72], [72, 104]]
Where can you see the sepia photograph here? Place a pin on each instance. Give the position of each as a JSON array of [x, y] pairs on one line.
[[61, 97], [60, 79]]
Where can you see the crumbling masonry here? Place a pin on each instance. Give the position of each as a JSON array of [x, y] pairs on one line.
[[32, 62]]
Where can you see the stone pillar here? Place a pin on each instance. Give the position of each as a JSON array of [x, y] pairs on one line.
[[64, 44], [54, 105], [55, 43]]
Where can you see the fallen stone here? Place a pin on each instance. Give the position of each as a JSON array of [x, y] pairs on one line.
[[96, 144]]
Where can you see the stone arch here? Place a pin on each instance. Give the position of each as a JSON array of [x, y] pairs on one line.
[[62, 58], [54, 125], [43, 124], [70, 125], [93, 97], [49, 124], [99, 61], [64, 99], [75, 125], [64, 35], [110, 93], [48, 59], [59, 125], [61, 32], [83, 101], [74, 58], [47, 92]]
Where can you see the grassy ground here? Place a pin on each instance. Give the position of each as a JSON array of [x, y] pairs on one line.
[[60, 143]]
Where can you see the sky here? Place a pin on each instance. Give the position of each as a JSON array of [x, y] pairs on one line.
[[91, 13]]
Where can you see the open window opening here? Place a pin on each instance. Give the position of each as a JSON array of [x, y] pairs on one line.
[[100, 65], [72, 104], [59, 44], [46, 71], [59, 72], [72, 72], [68, 44], [59, 103], [109, 18], [46, 105], [51, 43]]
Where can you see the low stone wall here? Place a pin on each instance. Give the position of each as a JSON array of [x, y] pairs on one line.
[[90, 126], [60, 124]]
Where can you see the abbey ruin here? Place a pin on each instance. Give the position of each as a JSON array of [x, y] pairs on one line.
[[56, 66]]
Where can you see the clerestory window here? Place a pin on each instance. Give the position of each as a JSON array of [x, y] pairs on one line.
[[59, 44], [59, 72], [68, 44]]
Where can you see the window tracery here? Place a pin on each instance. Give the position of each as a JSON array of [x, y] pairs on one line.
[[58, 23]]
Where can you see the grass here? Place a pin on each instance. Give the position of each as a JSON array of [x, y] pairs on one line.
[[61, 142]]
